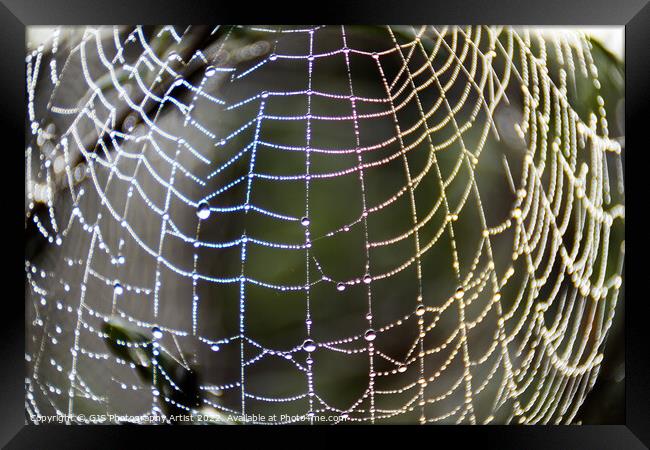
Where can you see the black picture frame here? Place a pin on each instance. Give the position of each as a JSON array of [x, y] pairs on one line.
[[15, 15]]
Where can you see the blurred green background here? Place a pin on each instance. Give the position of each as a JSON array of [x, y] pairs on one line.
[[276, 319]]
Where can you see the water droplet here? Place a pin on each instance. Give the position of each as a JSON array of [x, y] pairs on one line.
[[460, 292], [117, 288], [157, 332], [340, 287], [370, 335], [210, 71], [401, 368], [367, 279], [305, 221], [214, 347], [420, 310], [130, 122], [203, 210], [308, 345]]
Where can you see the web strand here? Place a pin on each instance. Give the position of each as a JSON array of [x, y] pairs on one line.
[[189, 193]]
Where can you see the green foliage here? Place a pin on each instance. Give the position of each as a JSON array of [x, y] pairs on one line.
[[176, 384]]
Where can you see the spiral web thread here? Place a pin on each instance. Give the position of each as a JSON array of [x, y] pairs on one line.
[[546, 343]]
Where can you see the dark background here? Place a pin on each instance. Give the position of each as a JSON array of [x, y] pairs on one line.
[[381, 12]]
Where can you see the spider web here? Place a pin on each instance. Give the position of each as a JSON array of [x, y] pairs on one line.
[[297, 210]]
